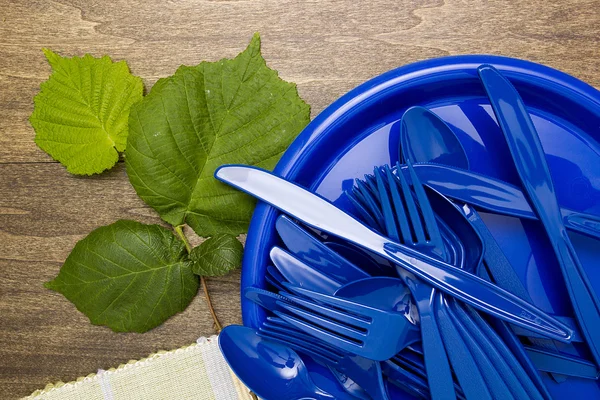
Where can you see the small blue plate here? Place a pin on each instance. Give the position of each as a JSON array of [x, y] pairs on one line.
[[361, 130]]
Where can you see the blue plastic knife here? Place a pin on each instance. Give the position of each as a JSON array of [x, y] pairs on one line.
[[495, 195], [319, 213], [529, 158]]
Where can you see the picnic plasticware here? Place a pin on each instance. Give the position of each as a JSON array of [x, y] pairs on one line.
[[359, 257], [360, 130], [530, 161], [496, 385], [285, 332], [467, 372], [274, 278], [573, 366], [332, 381], [487, 339], [365, 372], [495, 195], [271, 370], [391, 292], [312, 210], [482, 351], [382, 292], [478, 354], [373, 333]]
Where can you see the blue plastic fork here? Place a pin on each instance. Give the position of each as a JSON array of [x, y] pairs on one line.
[[363, 371], [351, 326], [425, 237], [466, 370]]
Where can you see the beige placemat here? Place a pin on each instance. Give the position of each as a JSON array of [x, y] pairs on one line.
[[198, 371]]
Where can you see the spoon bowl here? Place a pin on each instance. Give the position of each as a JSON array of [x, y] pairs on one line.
[[421, 126], [269, 369]]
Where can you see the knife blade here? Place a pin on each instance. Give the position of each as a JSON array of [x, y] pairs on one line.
[[313, 252], [319, 213], [495, 195], [529, 158]]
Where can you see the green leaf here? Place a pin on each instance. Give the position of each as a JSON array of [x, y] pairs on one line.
[[128, 276], [230, 111], [217, 255], [81, 113]]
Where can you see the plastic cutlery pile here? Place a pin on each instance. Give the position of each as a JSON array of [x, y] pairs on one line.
[[412, 293]]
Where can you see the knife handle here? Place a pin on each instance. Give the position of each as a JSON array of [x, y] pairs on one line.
[[478, 292], [317, 212]]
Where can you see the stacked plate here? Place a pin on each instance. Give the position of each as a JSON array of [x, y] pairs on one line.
[[362, 130]]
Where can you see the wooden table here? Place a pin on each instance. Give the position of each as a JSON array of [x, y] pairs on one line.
[[327, 47]]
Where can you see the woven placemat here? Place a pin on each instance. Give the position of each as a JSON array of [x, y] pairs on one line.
[[198, 371]]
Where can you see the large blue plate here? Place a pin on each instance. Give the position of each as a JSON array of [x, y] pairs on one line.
[[360, 130]]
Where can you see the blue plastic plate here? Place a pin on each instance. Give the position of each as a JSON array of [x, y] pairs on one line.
[[360, 130]]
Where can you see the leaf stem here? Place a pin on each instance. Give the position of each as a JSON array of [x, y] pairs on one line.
[[179, 231], [218, 326]]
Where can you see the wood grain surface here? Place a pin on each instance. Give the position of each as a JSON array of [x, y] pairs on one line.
[[327, 47]]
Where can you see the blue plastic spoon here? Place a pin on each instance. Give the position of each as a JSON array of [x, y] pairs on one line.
[[271, 370]]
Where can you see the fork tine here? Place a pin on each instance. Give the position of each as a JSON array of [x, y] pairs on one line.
[[323, 323], [337, 340], [413, 212], [366, 216], [300, 345], [388, 214], [293, 332], [341, 316], [398, 207], [346, 305], [431, 225], [370, 201], [371, 184], [296, 333]]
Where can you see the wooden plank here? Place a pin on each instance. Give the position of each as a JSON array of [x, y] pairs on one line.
[[331, 45], [44, 211], [326, 47]]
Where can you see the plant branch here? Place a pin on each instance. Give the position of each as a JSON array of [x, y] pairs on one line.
[[218, 327]]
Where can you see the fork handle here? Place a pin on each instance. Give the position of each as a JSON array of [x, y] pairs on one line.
[[437, 367]]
